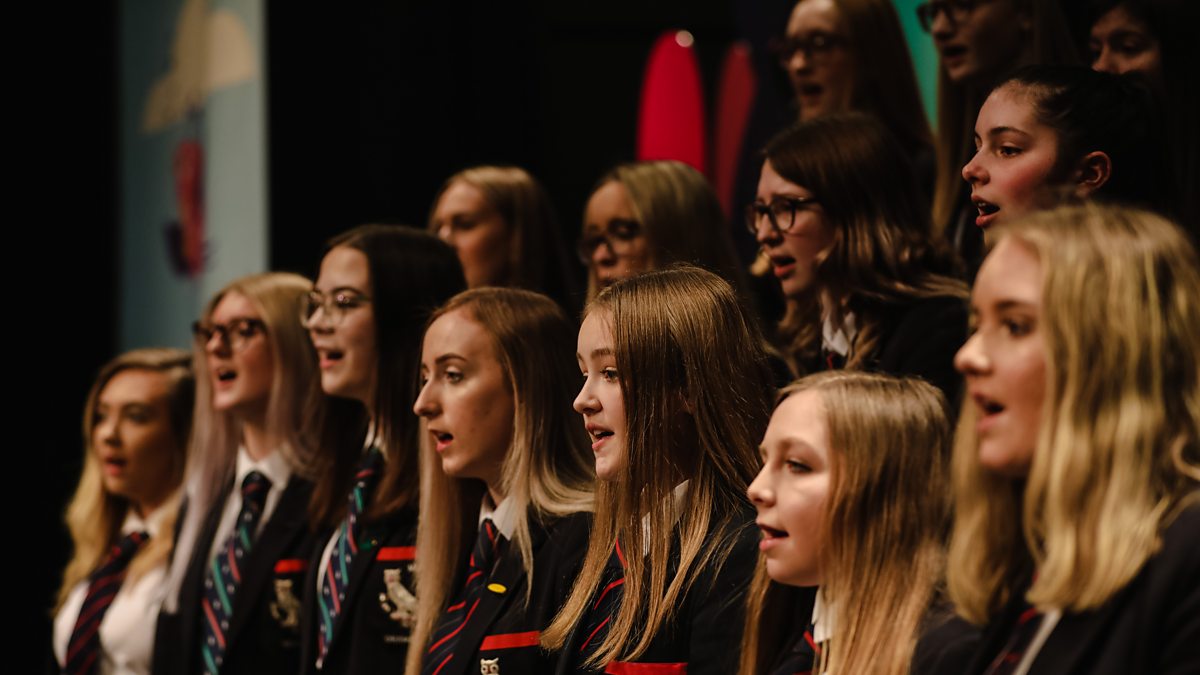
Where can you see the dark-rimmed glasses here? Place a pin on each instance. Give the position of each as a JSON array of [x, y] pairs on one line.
[[235, 334], [816, 47], [956, 11], [333, 306], [616, 237], [780, 212]]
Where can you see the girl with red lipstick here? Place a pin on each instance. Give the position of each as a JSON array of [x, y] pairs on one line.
[[978, 43], [1076, 467], [243, 537], [135, 428], [644, 216], [365, 316], [868, 286], [510, 468], [845, 506], [675, 395], [1050, 133]]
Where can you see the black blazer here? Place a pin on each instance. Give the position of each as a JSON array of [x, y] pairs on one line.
[[1150, 626], [263, 635], [919, 339], [372, 632], [705, 634], [502, 635]]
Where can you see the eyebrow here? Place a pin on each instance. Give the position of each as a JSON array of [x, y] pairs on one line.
[[996, 131], [447, 357]]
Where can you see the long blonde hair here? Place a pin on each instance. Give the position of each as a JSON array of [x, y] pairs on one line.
[[217, 435], [1118, 450], [548, 471], [680, 216], [94, 516], [688, 357], [883, 530]]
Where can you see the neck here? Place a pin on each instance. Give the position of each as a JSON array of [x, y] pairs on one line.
[[495, 493], [258, 441]]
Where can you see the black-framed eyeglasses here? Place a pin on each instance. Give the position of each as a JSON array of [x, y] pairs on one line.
[[333, 307], [616, 237], [235, 334], [816, 46], [780, 212], [956, 11]]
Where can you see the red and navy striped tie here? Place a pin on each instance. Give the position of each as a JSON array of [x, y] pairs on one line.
[[223, 574], [345, 547], [607, 602], [83, 649], [1023, 632], [445, 637]]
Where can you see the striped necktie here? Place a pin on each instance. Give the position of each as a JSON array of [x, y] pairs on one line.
[[345, 547], [607, 603], [223, 574], [83, 649], [1023, 632], [479, 569]]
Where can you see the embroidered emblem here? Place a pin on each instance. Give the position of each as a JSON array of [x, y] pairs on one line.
[[489, 666], [399, 603], [286, 607]]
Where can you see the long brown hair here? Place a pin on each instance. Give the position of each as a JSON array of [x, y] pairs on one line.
[[94, 516], [411, 273], [687, 356], [548, 471], [883, 254], [883, 530], [1118, 451]]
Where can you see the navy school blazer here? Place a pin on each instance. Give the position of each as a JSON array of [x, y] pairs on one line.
[[1150, 626], [371, 634], [264, 631], [705, 634], [503, 633]]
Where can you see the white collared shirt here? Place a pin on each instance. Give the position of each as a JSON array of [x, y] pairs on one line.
[[838, 339], [678, 497], [127, 630], [277, 470], [501, 514]]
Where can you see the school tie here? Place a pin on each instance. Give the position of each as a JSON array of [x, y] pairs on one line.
[[345, 547], [1009, 658], [607, 603], [479, 568], [83, 649], [223, 575], [833, 360]]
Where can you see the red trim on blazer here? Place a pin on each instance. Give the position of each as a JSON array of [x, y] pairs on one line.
[[291, 566], [622, 668], [394, 553], [510, 641]]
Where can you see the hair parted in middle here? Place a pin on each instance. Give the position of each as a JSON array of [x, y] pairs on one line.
[[680, 216], [548, 471], [1118, 451], [884, 251], [411, 274], [883, 531], [696, 389]]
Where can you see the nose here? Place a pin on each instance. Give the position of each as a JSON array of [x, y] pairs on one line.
[[603, 255], [1104, 62], [973, 171], [759, 492], [764, 233], [799, 61], [943, 28], [216, 344], [318, 322], [106, 431], [445, 233], [426, 404], [586, 403], [970, 359]]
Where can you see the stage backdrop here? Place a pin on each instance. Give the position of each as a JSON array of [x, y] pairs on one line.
[[193, 153]]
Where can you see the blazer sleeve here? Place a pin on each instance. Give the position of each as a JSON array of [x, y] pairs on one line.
[[720, 610]]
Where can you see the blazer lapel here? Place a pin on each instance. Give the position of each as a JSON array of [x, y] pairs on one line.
[[280, 531], [361, 568]]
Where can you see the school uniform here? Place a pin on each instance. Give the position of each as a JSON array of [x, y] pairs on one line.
[[705, 633], [372, 630], [916, 339], [126, 630], [501, 633], [262, 633], [1150, 626]]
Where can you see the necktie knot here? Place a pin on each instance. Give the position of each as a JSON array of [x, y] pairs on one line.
[[368, 467], [255, 487], [487, 543]]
